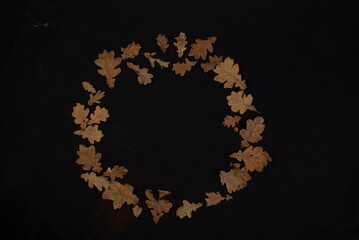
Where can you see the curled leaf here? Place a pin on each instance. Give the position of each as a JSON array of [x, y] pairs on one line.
[[213, 198], [89, 159], [143, 76], [200, 48], [182, 68], [180, 44], [228, 73], [212, 63], [158, 207], [187, 208], [162, 42], [108, 64], [255, 159], [152, 60], [131, 51], [136, 210], [239, 102]]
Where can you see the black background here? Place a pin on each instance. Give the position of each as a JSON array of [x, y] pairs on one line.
[[299, 60]]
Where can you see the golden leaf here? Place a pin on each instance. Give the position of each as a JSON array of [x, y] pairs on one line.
[[136, 210], [91, 133], [88, 87], [213, 198], [120, 194], [80, 114], [88, 158], [200, 48], [116, 172], [212, 63], [163, 193], [98, 181], [131, 51], [95, 98], [143, 76], [158, 207], [239, 102], [255, 159], [152, 60], [181, 68], [235, 179], [180, 44], [253, 132], [99, 115], [187, 208], [108, 63], [228, 73], [162, 42], [231, 121]]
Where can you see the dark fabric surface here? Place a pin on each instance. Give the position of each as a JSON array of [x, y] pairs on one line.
[[300, 63]]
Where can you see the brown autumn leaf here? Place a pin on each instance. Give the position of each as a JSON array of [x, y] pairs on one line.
[[88, 87], [91, 133], [228, 73], [239, 102], [187, 208], [182, 68], [99, 115], [163, 193], [255, 159], [96, 98], [108, 64], [235, 179], [89, 159], [180, 44], [98, 181], [143, 76], [136, 210], [131, 51], [252, 133], [212, 63], [152, 60], [162, 42], [120, 194], [200, 48], [158, 207], [231, 121], [116, 172], [213, 198], [80, 114]]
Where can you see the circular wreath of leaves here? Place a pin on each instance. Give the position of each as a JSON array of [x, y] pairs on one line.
[[247, 159]]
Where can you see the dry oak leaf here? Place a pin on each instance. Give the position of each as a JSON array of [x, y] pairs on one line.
[[235, 179], [255, 159], [88, 87], [228, 73], [253, 131], [136, 210], [96, 98], [152, 60], [108, 63], [162, 42], [239, 102], [200, 48], [98, 181], [89, 159], [91, 133], [180, 44], [120, 194], [214, 198], [182, 68], [231, 121], [187, 208], [131, 51], [80, 115], [158, 207], [212, 63], [116, 172], [143, 76], [99, 115]]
